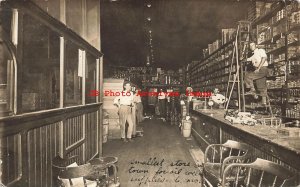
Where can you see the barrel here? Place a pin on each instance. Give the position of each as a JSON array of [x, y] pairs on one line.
[[183, 110], [187, 128], [105, 130]]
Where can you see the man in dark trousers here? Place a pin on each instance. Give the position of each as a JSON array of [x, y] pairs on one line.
[[259, 61]]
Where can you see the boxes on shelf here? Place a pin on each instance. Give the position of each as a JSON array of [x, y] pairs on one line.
[[258, 8], [265, 8], [214, 46], [210, 49], [295, 18], [205, 52], [227, 35]]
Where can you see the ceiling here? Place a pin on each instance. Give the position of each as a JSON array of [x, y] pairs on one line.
[[180, 29]]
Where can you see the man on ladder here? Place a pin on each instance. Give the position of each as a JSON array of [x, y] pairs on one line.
[[259, 61]]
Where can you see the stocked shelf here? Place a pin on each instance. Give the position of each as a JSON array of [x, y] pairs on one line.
[[277, 31]]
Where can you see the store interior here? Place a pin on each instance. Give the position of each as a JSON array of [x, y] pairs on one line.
[[214, 93]]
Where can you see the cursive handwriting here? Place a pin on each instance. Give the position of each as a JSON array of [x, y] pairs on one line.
[[150, 162], [160, 171]]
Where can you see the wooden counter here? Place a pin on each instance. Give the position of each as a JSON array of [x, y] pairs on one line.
[[211, 127]]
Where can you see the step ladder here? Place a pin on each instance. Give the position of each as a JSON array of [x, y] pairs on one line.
[[240, 51], [268, 103]]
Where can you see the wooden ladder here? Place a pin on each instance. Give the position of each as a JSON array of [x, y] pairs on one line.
[[240, 51]]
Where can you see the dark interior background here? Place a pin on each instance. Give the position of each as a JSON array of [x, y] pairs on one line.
[[180, 29]]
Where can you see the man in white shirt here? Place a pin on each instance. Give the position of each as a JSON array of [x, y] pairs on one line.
[[162, 103], [218, 98], [259, 61], [125, 103]]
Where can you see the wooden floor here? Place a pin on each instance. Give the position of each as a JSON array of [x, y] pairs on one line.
[[161, 158]]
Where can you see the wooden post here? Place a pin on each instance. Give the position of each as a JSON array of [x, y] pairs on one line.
[[84, 61], [61, 93], [100, 132]]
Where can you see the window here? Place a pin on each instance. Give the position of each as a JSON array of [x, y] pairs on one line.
[[73, 79], [40, 67], [74, 15], [90, 80], [6, 64]]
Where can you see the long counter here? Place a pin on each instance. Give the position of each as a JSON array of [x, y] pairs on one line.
[[210, 127]]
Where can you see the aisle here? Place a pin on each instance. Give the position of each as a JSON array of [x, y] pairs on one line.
[[161, 158]]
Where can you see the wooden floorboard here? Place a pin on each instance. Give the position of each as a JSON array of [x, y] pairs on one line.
[[161, 158]]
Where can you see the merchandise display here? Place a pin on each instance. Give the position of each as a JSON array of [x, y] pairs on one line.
[[276, 27]]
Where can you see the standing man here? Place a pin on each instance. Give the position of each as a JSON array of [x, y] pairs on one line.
[[259, 61], [125, 104], [139, 106], [162, 104]]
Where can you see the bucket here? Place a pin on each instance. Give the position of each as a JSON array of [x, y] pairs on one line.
[[187, 128]]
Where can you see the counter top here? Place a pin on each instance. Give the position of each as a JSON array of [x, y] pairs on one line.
[[282, 146]]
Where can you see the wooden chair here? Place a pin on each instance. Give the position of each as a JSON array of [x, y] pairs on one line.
[[218, 156], [107, 164], [260, 173], [95, 172], [76, 176]]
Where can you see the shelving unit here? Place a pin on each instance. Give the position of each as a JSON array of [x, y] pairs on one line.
[[278, 32], [219, 68], [212, 71]]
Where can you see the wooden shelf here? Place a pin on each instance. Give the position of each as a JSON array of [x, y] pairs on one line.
[[269, 15], [296, 43], [272, 76], [278, 22], [277, 50], [163, 85]]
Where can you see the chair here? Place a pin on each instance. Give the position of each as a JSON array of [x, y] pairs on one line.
[[77, 176], [218, 156], [104, 164], [260, 173], [95, 172], [74, 175]]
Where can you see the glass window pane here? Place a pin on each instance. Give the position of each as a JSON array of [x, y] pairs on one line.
[[5, 19], [74, 15], [52, 7], [40, 67], [90, 85], [6, 80], [6, 63], [73, 79]]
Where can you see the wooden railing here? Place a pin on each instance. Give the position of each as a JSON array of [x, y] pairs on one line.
[[29, 142]]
